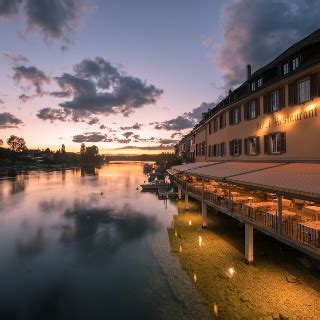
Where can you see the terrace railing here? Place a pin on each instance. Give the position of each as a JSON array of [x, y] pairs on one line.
[[290, 229]]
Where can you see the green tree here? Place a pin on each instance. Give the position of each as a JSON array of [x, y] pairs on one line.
[[16, 144]]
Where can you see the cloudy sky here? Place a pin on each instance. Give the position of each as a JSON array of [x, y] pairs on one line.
[[131, 76]]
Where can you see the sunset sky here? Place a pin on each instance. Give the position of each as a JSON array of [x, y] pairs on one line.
[[131, 76]]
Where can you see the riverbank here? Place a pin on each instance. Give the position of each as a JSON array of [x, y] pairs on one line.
[[277, 286]]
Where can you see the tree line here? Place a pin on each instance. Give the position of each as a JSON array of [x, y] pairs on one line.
[[18, 153]]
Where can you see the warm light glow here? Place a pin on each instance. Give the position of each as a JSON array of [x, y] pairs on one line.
[[231, 272], [176, 233], [194, 277], [190, 222], [215, 310], [180, 249], [200, 241]]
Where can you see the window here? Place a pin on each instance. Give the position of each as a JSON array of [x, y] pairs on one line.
[[222, 149], [274, 100], [253, 145], [222, 121], [234, 116], [215, 125], [259, 84], [275, 143], [209, 153], [235, 147], [295, 63], [253, 86], [252, 109], [303, 90], [210, 129], [203, 149], [285, 68]]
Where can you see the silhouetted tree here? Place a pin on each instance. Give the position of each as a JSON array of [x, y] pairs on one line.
[[63, 149], [82, 149], [1, 142], [16, 144]]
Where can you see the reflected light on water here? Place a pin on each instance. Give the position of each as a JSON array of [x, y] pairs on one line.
[[231, 272], [200, 241], [194, 277], [215, 310]]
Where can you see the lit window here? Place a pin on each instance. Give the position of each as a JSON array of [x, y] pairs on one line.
[[259, 84], [285, 68], [295, 63], [252, 109], [303, 90], [275, 143], [253, 86], [274, 98], [253, 145]]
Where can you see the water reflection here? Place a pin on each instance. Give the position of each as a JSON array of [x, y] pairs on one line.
[[77, 241], [19, 184], [106, 229]]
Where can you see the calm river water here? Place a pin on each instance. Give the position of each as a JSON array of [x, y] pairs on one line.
[[88, 244], [75, 245]]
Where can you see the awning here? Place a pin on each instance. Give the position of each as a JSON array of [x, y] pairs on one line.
[[295, 178], [224, 170], [189, 166]]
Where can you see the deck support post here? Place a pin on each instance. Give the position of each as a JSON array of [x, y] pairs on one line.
[[230, 197], [279, 215], [186, 201], [248, 243], [179, 192], [203, 214]]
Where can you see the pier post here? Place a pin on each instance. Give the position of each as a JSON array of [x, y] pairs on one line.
[[203, 214], [248, 243], [179, 192], [186, 201], [279, 215]]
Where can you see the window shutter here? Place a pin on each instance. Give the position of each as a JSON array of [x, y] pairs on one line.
[[224, 120], [292, 94], [231, 148], [283, 143], [222, 149], [239, 112], [314, 86], [230, 116], [281, 98], [266, 144], [245, 111], [240, 146], [257, 107], [266, 103], [258, 145], [246, 140]]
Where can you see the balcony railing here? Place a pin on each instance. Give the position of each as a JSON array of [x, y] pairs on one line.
[[292, 227]]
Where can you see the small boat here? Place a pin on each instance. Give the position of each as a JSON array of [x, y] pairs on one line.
[[153, 186]]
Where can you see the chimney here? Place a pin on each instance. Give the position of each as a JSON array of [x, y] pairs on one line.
[[248, 71]]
